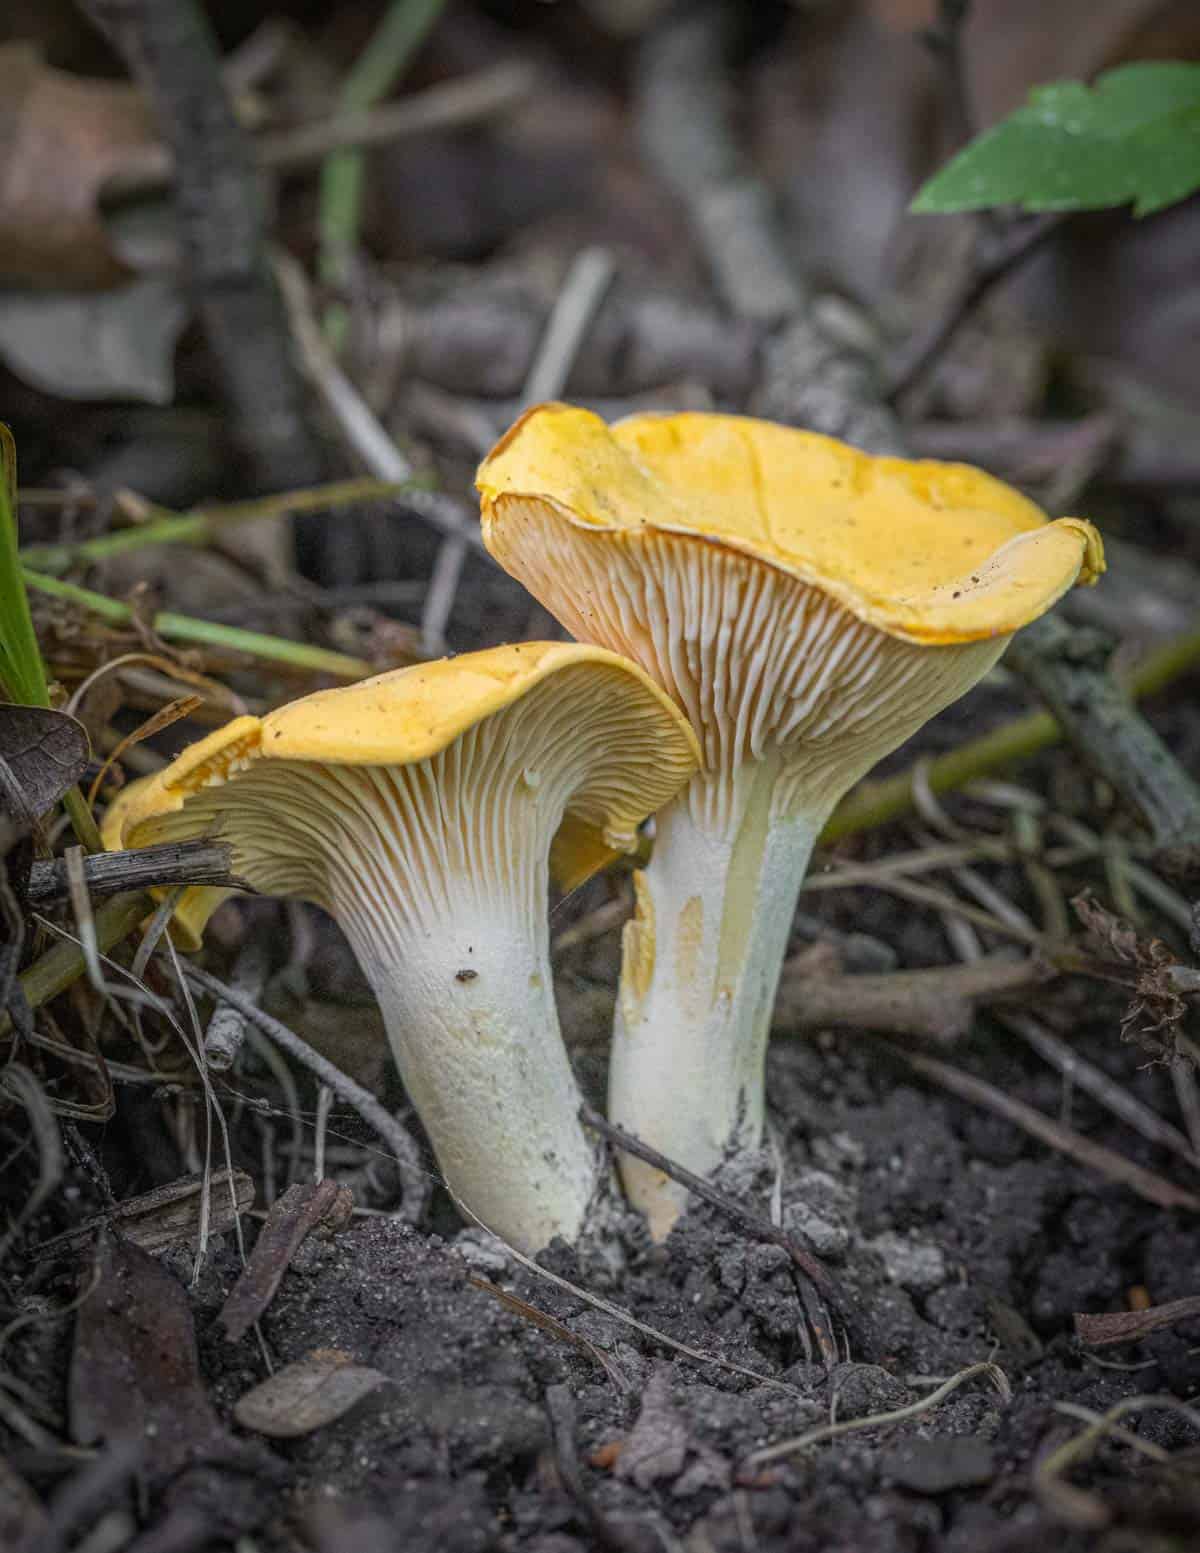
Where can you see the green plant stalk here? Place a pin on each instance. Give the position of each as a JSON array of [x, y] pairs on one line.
[[63, 962], [187, 628], [83, 821], [875, 803], [22, 670], [395, 41], [195, 528]]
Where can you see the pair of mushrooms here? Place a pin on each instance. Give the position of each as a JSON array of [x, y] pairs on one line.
[[761, 615]]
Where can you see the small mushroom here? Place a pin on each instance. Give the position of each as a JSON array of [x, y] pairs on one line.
[[419, 809], [810, 607]]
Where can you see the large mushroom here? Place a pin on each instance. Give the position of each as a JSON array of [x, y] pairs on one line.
[[810, 607], [419, 809]]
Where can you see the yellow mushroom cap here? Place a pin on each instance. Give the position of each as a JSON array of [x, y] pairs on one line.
[[927, 552], [641, 751]]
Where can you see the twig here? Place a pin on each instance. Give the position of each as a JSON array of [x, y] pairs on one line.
[[227, 1025], [1130, 1326], [995, 258], [109, 873], [198, 528], [187, 628], [172, 54], [587, 280], [372, 444], [404, 27], [619, 1314], [372, 1112], [806, 1261], [1095, 1082], [686, 107], [899, 1415], [63, 963], [1073, 1505], [1154, 1188], [935, 1005], [355, 419], [876, 803], [471, 99], [1068, 667]]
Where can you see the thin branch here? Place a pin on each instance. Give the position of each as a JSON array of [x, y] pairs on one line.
[[1154, 1188], [171, 52], [876, 802], [1130, 1326], [1068, 668], [372, 1112], [471, 99], [934, 1005], [110, 873], [806, 1261], [995, 258]]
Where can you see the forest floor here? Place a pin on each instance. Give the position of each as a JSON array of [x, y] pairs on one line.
[[997, 1182]]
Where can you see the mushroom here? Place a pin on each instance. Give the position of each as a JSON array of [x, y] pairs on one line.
[[810, 607], [419, 809]]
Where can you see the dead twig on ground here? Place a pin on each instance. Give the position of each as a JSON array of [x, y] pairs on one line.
[[369, 440], [1114, 1096], [171, 53], [470, 99], [1068, 668], [1130, 1326], [227, 1027], [377, 1117], [991, 1372], [1094, 1156], [623, 1316], [1073, 1505], [934, 1005], [110, 873], [806, 1262], [996, 255], [816, 372]]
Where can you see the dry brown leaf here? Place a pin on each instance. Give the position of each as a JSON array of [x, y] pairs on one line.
[[304, 1395], [166, 1215], [300, 1210], [61, 138]]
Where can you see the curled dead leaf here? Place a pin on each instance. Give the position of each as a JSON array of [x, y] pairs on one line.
[[61, 138]]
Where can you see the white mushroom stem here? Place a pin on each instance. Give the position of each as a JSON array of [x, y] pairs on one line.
[[468, 1002], [701, 966], [437, 874]]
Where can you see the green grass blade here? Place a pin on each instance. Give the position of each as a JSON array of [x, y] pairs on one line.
[[21, 668]]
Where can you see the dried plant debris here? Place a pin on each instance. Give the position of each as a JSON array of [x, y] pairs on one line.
[[155, 1220], [299, 1211], [1129, 1326], [61, 138], [1157, 1010], [42, 754], [135, 1374], [304, 1395]]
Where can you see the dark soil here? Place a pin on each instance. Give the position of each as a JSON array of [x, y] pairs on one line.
[[957, 1240]]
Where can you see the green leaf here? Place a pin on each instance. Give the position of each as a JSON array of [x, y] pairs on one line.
[[1132, 138], [22, 673]]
